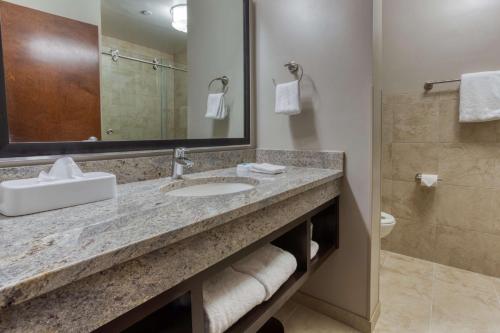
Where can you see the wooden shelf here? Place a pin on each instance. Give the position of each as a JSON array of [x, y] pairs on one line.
[[180, 309]]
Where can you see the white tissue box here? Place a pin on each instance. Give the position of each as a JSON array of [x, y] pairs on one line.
[[28, 196]]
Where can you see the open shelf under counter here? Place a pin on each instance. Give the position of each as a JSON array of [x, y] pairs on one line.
[[185, 301]]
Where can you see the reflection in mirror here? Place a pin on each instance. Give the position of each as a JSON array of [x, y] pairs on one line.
[[123, 70]]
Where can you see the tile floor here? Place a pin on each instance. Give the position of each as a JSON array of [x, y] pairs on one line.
[[417, 296]]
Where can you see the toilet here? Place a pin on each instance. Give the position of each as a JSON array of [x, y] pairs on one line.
[[387, 223]]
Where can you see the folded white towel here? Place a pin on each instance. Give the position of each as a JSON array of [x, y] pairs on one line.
[[480, 97], [216, 106], [228, 296], [314, 249], [270, 265], [288, 98], [267, 168]]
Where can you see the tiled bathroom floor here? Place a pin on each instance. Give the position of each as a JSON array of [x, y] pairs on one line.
[[418, 296]]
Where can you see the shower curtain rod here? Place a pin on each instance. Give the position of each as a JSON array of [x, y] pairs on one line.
[[115, 55]]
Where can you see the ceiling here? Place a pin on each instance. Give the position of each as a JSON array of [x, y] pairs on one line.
[[123, 19]]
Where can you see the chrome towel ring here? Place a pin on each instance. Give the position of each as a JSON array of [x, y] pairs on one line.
[[294, 69], [225, 83]]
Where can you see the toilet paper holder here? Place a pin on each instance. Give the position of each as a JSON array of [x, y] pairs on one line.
[[418, 177]]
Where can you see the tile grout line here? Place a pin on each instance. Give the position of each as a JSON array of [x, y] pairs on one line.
[[432, 294]]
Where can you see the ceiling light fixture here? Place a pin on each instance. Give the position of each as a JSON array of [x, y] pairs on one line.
[[179, 17]]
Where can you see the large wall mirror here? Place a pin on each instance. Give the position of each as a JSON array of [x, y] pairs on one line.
[[115, 75]]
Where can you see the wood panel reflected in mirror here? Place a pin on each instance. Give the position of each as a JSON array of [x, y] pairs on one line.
[[111, 75]]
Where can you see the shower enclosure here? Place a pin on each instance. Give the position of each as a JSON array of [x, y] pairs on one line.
[[143, 92]]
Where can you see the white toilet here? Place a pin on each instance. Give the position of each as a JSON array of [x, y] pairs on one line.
[[387, 223]]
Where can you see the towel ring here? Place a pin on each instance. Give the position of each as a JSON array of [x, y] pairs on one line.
[[293, 68], [225, 83]]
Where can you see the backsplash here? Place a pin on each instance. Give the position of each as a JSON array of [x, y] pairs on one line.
[[128, 170], [456, 223], [302, 158]]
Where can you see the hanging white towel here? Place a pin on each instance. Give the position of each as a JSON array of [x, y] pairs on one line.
[[227, 297], [480, 97], [288, 98], [216, 106], [270, 265]]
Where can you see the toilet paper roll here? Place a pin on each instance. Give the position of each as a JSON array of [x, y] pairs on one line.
[[429, 180]]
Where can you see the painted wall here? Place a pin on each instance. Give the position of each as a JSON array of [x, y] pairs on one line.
[[88, 11], [437, 40], [456, 223], [215, 48], [332, 40]]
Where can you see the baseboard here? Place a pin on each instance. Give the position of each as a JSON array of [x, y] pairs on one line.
[[351, 319]]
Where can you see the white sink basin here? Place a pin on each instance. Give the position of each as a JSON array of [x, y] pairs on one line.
[[204, 187]]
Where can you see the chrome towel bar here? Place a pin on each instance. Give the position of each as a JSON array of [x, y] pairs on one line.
[[429, 85]]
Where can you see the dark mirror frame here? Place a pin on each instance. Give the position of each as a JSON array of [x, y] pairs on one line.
[[8, 149]]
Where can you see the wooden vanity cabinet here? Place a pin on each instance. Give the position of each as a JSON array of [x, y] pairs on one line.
[[180, 309]]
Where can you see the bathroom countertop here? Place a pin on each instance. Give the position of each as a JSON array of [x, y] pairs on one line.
[[45, 251]]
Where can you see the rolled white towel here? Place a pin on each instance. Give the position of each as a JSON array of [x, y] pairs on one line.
[[270, 265], [228, 296], [314, 249], [267, 168]]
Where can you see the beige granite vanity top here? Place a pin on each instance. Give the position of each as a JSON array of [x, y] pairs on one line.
[[42, 252]]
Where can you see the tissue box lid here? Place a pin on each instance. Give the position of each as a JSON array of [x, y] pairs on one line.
[[28, 196]]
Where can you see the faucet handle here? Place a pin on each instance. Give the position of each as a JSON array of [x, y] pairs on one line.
[[180, 152]]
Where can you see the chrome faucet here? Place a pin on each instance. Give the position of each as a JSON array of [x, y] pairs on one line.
[[179, 161]]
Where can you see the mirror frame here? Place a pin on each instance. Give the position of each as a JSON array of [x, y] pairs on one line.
[[8, 149]]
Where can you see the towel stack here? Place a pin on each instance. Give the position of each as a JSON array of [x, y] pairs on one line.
[[216, 107], [231, 294], [228, 296], [267, 168], [270, 265]]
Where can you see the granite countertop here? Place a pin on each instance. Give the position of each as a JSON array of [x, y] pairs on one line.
[[45, 251]]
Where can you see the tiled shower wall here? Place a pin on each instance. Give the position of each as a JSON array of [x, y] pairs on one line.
[[458, 222], [128, 86]]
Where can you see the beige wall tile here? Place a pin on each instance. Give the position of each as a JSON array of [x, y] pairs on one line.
[[428, 138], [386, 195], [414, 202], [387, 123], [450, 130], [408, 159], [469, 164], [469, 208], [411, 238], [470, 250], [387, 161], [416, 122]]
